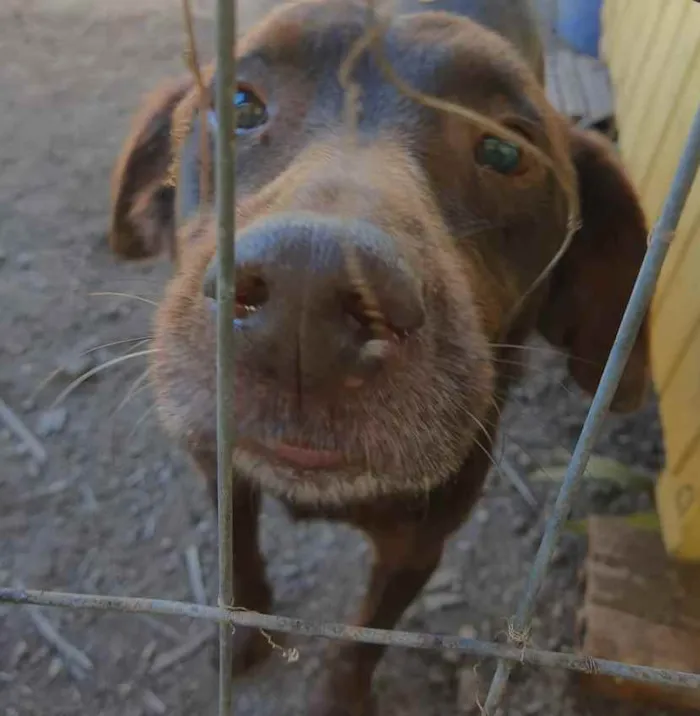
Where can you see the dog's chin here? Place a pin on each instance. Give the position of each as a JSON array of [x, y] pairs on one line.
[[328, 483]]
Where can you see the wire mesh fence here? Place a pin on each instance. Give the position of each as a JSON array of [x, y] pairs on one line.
[[228, 617]]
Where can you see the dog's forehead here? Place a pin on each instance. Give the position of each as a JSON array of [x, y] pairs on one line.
[[435, 52]]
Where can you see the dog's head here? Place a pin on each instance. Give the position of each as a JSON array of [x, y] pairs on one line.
[[382, 255]]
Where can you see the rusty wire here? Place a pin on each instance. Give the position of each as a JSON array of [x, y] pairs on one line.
[[349, 633]]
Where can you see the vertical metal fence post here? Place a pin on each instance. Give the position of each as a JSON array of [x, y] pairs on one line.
[[629, 327], [225, 377]]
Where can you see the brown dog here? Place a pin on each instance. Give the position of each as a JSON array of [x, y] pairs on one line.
[[378, 412]]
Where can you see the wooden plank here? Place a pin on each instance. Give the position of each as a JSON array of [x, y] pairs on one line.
[[595, 82], [552, 84], [578, 85], [639, 608], [573, 96]]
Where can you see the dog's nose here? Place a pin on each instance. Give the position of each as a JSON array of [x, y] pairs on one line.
[[319, 300]]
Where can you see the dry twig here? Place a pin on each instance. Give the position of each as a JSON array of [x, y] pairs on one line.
[[181, 653], [67, 651], [194, 572], [16, 426]]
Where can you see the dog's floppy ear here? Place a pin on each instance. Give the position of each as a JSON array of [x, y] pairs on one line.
[[592, 284], [142, 222]]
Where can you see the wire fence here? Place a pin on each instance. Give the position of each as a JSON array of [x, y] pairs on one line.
[[229, 617]]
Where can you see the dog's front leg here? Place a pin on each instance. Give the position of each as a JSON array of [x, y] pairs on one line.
[[404, 561], [251, 588]]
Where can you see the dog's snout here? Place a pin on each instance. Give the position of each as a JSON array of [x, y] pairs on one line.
[[316, 296]]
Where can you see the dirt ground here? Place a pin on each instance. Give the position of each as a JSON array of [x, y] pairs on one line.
[[116, 506]]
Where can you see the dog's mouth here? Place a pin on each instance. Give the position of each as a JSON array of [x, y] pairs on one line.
[[296, 457]]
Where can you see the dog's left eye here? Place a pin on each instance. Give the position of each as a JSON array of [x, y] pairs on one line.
[[251, 111], [498, 154]]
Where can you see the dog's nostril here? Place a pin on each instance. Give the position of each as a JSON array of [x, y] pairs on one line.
[[366, 317], [356, 311], [251, 290], [251, 293]]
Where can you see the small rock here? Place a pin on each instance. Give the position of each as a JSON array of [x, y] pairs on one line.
[[15, 348], [134, 449], [27, 405], [111, 311], [203, 526], [166, 543], [153, 704], [55, 668], [443, 580], [33, 470], [520, 525], [3, 256], [482, 516], [149, 527], [89, 499], [148, 651], [75, 365], [123, 690], [136, 478], [288, 571], [560, 557], [21, 450], [24, 260], [52, 422], [20, 650], [442, 600], [39, 282], [467, 632], [165, 475]]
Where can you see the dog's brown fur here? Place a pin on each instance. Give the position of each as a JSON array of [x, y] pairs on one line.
[[415, 436]]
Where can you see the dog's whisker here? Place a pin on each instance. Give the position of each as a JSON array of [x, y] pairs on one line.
[[124, 295], [99, 369], [546, 350], [528, 453], [507, 475], [141, 383], [146, 414], [55, 373]]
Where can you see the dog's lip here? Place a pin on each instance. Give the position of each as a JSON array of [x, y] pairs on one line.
[[302, 458]]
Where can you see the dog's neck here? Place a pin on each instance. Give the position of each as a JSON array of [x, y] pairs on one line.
[[519, 21]]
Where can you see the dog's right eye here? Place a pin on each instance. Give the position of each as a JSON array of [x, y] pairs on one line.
[[251, 111], [499, 155]]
